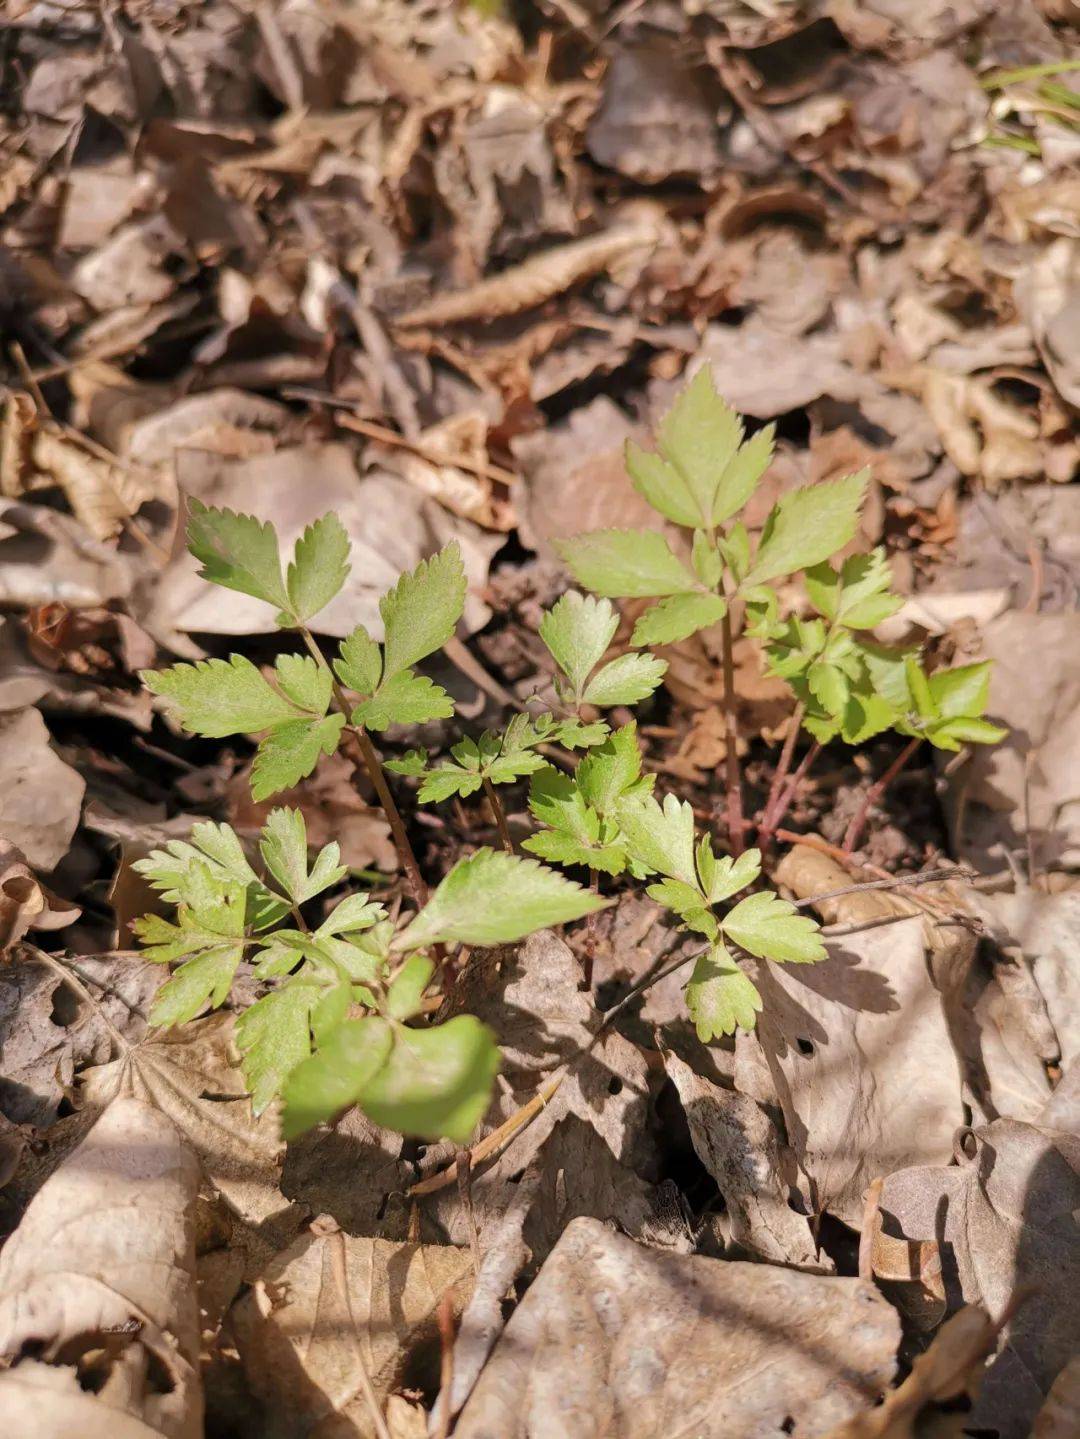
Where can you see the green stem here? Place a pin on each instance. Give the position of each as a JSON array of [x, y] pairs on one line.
[[875, 792], [731, 731], [363, 755], [500, 815]]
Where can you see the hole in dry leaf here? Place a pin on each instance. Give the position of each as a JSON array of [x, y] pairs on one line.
[[788, 1425], [805, 1045], [66, 1006], [614, 1085]]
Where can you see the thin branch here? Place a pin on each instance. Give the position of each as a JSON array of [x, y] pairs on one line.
[[362, 755], [731, 730], [875, 792], [904, 881], [500, 815], [790, 790], [782, 769]]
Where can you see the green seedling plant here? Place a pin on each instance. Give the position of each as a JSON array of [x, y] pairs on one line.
[[577, 632], [700, 478], [349, 1016], [344, 1021]]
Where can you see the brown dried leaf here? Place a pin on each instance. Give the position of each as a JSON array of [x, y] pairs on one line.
[[335, 1316], [116, 1299], [40, 796], [25, 903], [619, 1338]]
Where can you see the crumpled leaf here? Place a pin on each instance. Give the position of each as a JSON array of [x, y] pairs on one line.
[[190, 1074], [1006, 1216], [117, 1298], [25, 903], [334, 1309], [680, 1344], [736, 1142]]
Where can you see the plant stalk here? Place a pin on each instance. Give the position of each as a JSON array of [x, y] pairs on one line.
[[782, 771], [783, 803], [363, 755], [731, 730], [500, 815], [875, 792]]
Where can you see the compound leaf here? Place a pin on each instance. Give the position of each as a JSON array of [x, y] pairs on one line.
[[284, 848], [662, 839], [202, 980]]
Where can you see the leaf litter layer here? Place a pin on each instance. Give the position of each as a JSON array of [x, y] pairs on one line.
[[450, 297]]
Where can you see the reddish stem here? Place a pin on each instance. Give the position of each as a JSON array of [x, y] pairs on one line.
[[731, 730], [874, 794], [774, 815], [500, 815]]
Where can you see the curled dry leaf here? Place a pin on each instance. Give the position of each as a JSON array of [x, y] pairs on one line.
[[736, 1142], [614, 1337], [1004, 1219], [336, 1323], [535, 280], [854, 1100], [99, 1332], [25, 903], [950, 1368]]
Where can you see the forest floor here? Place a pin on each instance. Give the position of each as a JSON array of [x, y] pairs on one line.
[[430, 265]]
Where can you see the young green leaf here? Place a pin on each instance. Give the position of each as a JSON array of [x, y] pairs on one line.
[[273, 1036], [741, 477], [237, 552], [204, 980], [335, 1076], [173, 871], [495, 898], [215, 698], [356, 912], [359, 667], [951, 734], [720, 997], [291, 751], [404, 698], [726, 876], [610, 770], [624, 564], [688, 903], [422, 610], [660, 839], [625, 681], [858, 595], [284, 847], [305, 682], [318, 570], [676, 618], [577, 631], [962, 692], [807, 526], [437, 1082], [574, 833], [770, 927], [699, 437], [405, 995]]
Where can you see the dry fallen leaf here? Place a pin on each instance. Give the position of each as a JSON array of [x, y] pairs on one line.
[[189, 1073], [25, 903], [1005, 1218], [619, 1339], [99, 1330], [40, 796], [336, 1323], [736, 1142]]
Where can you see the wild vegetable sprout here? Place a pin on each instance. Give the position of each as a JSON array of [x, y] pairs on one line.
[[346, 1019]]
